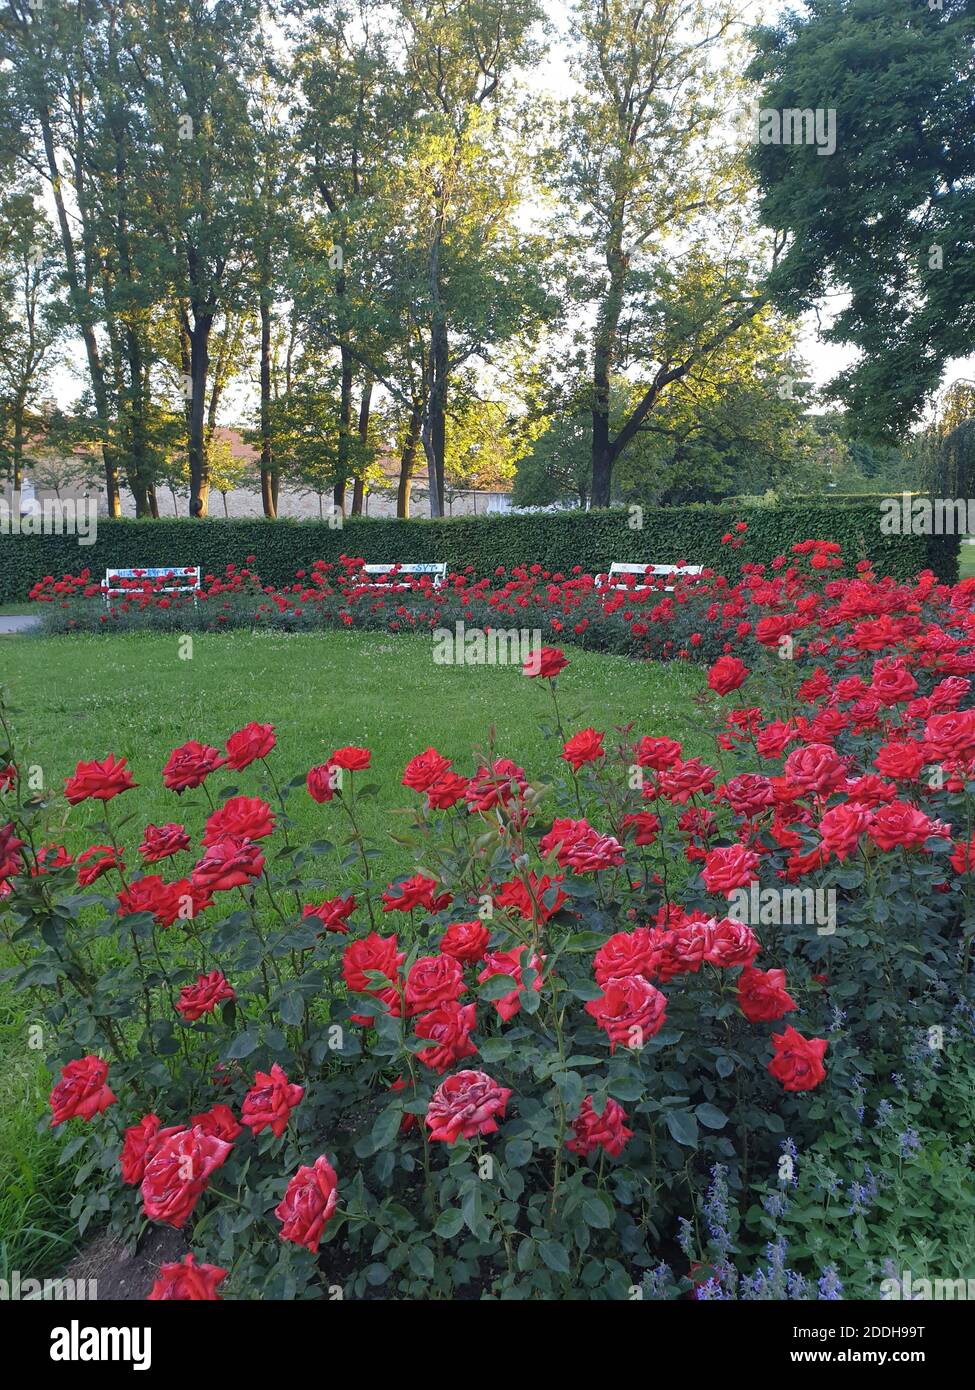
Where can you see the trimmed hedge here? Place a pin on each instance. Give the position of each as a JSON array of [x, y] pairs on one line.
[[556, 540]]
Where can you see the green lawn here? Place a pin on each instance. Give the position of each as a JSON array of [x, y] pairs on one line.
[[82, 697]]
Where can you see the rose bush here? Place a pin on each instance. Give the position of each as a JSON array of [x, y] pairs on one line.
[[566, 1057]]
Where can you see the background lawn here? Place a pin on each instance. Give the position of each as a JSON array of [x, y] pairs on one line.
[[82, 697]]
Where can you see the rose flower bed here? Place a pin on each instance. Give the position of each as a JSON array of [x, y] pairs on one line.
[[551, 1063]]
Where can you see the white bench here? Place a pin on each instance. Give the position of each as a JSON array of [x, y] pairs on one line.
[[616, 579], [386, 576], [185, 579]]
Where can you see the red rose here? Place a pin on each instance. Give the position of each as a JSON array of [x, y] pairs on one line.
[[81, 1091], [433, 980], [323, 782], [352, 759], [625, 953], [202, 998], [606, 1131], [240, 817], [177, 1173], [189, 765], [962, 857], [163, 841], [762, 995], [539, 897], [415, 892], [510, 963], [333, 913], [11, 860], [648, 827], [731, 943], [629, 1011], [841, 828], [248, 744], [584, 747], [798, 1061], [449, 1026], [727, 674], [900, 758], [686, 779], [546, 662], [496, 785], [140, 1143], [426, 768], [815, 768], [729, 867], [101, 781], [187, 1282], [748, 795], [577, 845], [900, 823], [371, 953], [228, 863], [94, 862], [892, 684], [269, 1102], [446, 791], [658, 753], [219, 1120], [308, 1204], [465, 941], [466, 1104]]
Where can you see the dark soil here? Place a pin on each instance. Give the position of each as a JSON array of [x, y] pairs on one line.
[[119, 1273]]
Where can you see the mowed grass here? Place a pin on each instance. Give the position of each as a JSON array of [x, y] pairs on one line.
[[82, 697]]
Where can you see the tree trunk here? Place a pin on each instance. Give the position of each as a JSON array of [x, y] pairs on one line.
[[199, 366], [358, 491], [345, 430], [268, 489], [407, 462], [604, 358]]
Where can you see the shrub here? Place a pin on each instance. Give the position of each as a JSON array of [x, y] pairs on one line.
[[575, 1064]]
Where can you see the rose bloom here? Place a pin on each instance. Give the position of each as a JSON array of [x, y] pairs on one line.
[[892, 684], [648, 827], [352, 759], [683, 949], [816, 768], [748, 795], [686, 779], [842, 826], [100, 781], [629, 1011], [495, 785], [606, 1131], [798, 1061], [762, 995], [547, 663], [370, 953], [94, 862], [433, 980], [577, 845], [240, 817], [177, 1174], [449, 1027], [658, 753], [11, 860], [333, 913], [269, 1102], [189, 765], [150, 894], [529, 900], [228, 863], [900, 823], [219, 1120], [139, 1144], [322, 782], [187, 1282], [415, 892], [446, 791], [625, 953], [426, 768], [510, 963], [163, 841], [465, 941], [309, 1204], [901, 759], [729, 867], [962, 857], [950, 735], [731, 943], [727, 674], [248, 744], [81, 1092], [584, 747], [465, 1104], [202, 998]]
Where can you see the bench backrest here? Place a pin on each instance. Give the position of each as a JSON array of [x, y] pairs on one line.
[[388, 574], [182, 579], [619, 569]]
